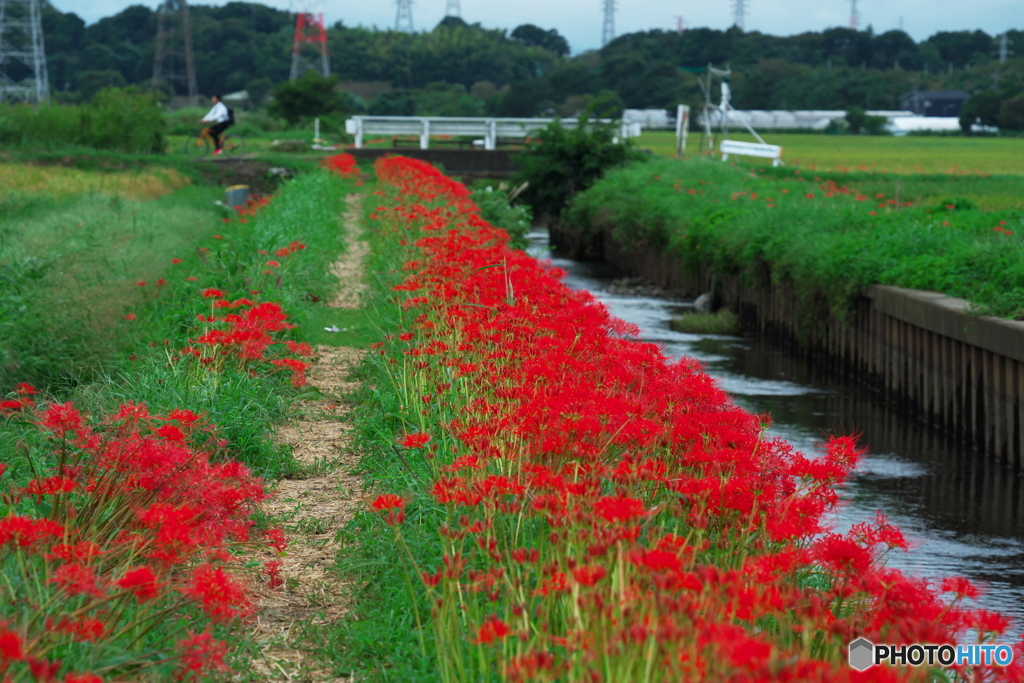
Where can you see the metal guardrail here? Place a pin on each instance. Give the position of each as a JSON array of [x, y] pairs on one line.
[[488, 130]]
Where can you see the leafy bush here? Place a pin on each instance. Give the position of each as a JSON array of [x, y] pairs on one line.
[[566, 161], [117, 119], [498, 209]]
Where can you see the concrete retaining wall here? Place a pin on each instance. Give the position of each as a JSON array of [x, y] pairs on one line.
[[962, 373]]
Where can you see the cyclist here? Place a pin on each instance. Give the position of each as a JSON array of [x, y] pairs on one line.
[[220, 117]]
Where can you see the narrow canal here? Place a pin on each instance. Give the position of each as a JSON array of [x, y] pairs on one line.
[[963, 513]]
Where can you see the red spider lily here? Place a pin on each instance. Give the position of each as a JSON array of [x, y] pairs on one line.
[[415, 440], [492, 629], [618, 504], [140, 582], [342, 164]]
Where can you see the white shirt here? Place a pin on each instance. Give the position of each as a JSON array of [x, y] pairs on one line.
[[219, 113]]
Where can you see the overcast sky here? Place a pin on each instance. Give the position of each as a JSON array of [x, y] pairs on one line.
[[580, 21]]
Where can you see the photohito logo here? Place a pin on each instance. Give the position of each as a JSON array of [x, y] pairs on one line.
[[865, 654]]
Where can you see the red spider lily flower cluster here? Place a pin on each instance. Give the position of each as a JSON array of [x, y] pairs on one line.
[[128, 532], [247, 337], [342, 164], [611, 513]]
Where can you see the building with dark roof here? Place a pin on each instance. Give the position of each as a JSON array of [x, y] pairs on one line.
[[934, 102]]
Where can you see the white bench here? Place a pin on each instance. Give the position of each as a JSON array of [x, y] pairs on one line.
[[489, 129], [751, 149]]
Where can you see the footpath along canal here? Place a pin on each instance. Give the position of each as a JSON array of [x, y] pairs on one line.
[[962, 513]]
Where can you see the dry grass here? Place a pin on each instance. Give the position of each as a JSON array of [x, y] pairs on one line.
[[60, 181]]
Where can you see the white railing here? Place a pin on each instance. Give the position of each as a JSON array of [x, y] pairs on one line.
[[487, 130]]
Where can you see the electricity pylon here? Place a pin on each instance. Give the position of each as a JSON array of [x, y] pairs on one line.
[[403, 19], [23, 75], [309, 33], [854, 15], [739, 12], [608, 34], [172, 62], [454, 9]]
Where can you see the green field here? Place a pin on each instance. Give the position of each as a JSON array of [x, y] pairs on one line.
[[951, 155], [920, 169]]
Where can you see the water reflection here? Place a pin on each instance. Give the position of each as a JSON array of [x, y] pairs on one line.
[[963, 512]]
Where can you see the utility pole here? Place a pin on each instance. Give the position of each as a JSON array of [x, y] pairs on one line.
[[403, 18], [454, 9], [309, 32], [23, 75], [739, 11], [854, 15], [172, 61], [608, 34]]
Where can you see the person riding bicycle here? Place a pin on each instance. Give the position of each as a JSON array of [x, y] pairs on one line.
[[221, 119]]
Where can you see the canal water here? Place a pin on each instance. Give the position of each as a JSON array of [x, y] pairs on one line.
[[962, 513]]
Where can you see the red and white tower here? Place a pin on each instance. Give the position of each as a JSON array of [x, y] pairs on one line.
[[310, 50]]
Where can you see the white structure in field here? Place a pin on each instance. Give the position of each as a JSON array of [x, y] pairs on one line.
[[807, 119], [648, 119], [489, 131]]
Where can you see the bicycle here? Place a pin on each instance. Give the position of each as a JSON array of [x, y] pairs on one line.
[[202, 144]]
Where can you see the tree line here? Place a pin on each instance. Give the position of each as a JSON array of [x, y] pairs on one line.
[[466, 69]]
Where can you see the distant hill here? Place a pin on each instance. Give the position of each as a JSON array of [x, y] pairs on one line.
[[459, 68]]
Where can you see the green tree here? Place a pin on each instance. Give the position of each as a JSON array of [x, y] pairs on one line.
[[1011, 114], [982, 108], [259, 89], [552, 40], [91, 82], [856, 118], [309, 96], [566, 161]]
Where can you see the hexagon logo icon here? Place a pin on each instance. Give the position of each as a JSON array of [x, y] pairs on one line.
[[862, 654]]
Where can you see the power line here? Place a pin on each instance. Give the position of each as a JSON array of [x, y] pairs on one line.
[[403, 18], [23, 75], [739, 11], [454, 9], [608, 33], [173, 65]]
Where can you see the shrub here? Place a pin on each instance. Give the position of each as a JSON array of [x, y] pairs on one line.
[[566, 161], [117, 119]]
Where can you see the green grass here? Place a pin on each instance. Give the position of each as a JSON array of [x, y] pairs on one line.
[[723, 321], [953, 155], [69, 269], [828, 248], [357, 329]]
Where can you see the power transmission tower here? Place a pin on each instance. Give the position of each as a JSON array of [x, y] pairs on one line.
[[608, 34], [403, 19], [854, 15], [23, 75], [454, 9], [309, 32], [1004, 48], [172, 62], [679, 23], [739, 10]]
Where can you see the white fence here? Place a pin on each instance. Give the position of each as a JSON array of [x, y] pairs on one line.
[[486, 131]]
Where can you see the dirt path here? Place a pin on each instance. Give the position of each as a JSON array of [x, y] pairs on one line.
[[314, 509]]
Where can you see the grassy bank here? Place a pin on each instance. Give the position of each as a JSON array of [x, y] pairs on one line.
[[142, 521], [824, 235]]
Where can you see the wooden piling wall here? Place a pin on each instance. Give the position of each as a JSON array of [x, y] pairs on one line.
[[960, 372]]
